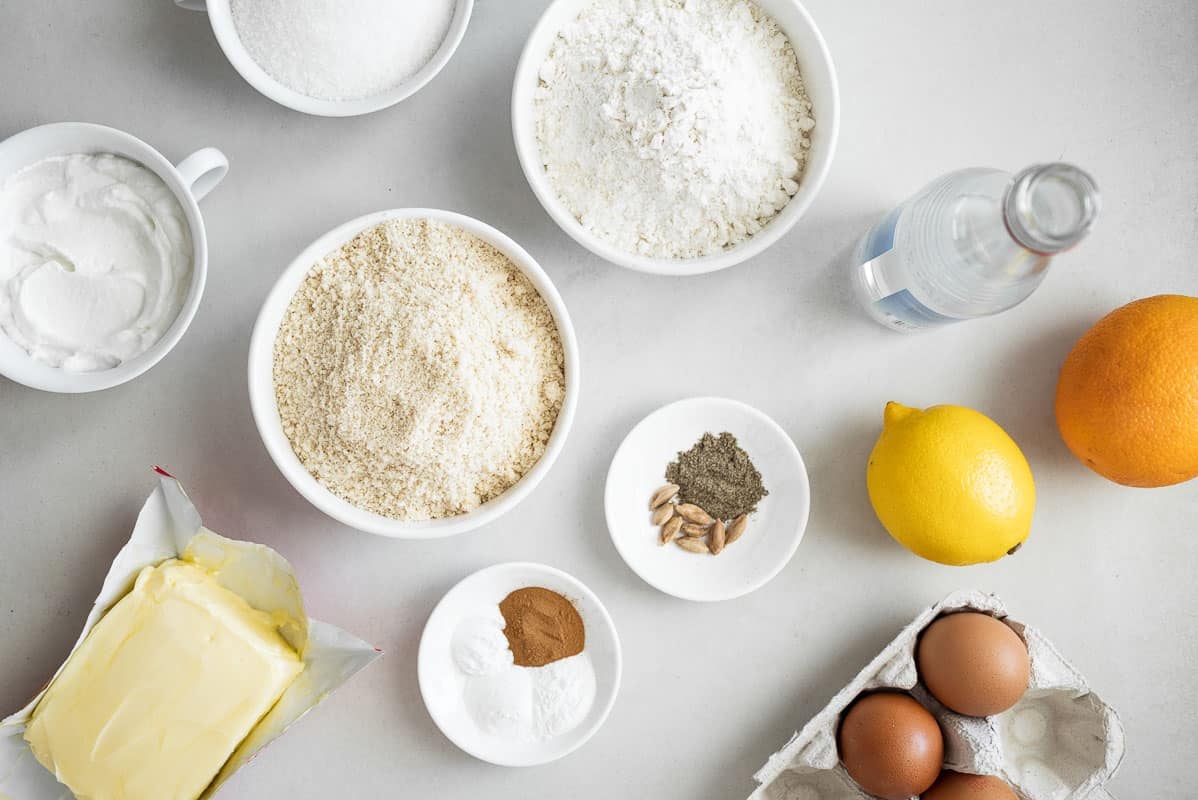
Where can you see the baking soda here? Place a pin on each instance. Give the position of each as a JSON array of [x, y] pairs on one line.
[[342, 49]]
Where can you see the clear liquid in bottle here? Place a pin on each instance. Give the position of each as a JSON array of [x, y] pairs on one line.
[[971, 244]]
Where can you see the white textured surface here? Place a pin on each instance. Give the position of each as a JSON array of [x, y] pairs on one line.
[[928, 86]]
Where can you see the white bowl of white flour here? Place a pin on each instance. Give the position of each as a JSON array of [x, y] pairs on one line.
[[675, 138], [414, 373], [337, 58]]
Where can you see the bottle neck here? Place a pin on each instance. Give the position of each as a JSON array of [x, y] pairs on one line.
[[1049, 208]]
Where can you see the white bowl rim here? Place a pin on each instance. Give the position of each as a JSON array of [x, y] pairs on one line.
[[528, 155], [55, 379], [766, 577], [220, 16], [607, 621], [265, 410]]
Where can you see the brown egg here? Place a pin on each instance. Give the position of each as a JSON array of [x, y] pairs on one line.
[[890, 745], [955, 786], [973, 663]]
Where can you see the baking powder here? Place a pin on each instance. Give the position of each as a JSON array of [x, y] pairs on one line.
[[673, 128], [519, 703]]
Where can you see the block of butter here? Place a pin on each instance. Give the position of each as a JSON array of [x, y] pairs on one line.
[[182, 676], [162, 690]]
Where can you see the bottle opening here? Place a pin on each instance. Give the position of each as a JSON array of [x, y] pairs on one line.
[[1051, 207]]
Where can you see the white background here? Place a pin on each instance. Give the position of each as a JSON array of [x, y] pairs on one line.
[[710, 691]]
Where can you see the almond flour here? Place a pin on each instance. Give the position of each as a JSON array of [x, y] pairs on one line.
[[418, 373]]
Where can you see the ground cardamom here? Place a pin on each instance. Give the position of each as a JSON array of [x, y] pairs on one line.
[[718, 476]]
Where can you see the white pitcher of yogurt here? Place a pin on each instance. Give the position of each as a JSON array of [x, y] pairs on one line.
[[103, 254]]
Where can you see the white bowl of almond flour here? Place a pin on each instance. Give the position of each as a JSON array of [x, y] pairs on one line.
[[675, 138], [414, 373], [337, 58]]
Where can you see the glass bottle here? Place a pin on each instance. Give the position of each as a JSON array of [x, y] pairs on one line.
[[972, 243]]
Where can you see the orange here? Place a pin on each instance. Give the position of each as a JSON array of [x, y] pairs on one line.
[[1127, 398]]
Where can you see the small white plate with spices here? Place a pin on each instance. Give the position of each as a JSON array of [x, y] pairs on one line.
[[445, 687], [773, 532]]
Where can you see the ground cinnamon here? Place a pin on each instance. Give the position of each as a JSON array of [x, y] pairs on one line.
[[541, 626]]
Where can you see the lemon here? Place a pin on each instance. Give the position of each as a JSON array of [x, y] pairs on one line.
[[950, 485]]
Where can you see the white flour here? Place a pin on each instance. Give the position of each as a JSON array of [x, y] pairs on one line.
[[342, 49], [673, 128]]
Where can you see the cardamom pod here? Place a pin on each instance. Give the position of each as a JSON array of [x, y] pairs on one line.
[[736, 529], [694, 530], [670, 530], [693, 545], [692, 513], [717, 537], [663, 513], [662, 495]]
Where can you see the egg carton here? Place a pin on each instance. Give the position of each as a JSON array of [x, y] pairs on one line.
[[1059, 742]]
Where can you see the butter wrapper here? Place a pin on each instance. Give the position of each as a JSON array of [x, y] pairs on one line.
[[169, 527]]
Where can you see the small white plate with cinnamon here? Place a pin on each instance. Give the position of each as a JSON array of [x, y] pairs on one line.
[[519, 664]]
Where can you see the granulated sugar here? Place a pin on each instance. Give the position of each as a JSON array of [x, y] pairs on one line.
[[418, 373], [342, 49], [673, 128]]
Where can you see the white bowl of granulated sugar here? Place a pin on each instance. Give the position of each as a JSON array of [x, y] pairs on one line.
[[703, 164], [414, 373], [337, 58]]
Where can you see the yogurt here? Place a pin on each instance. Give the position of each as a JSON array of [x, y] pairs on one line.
[[95, 260]]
